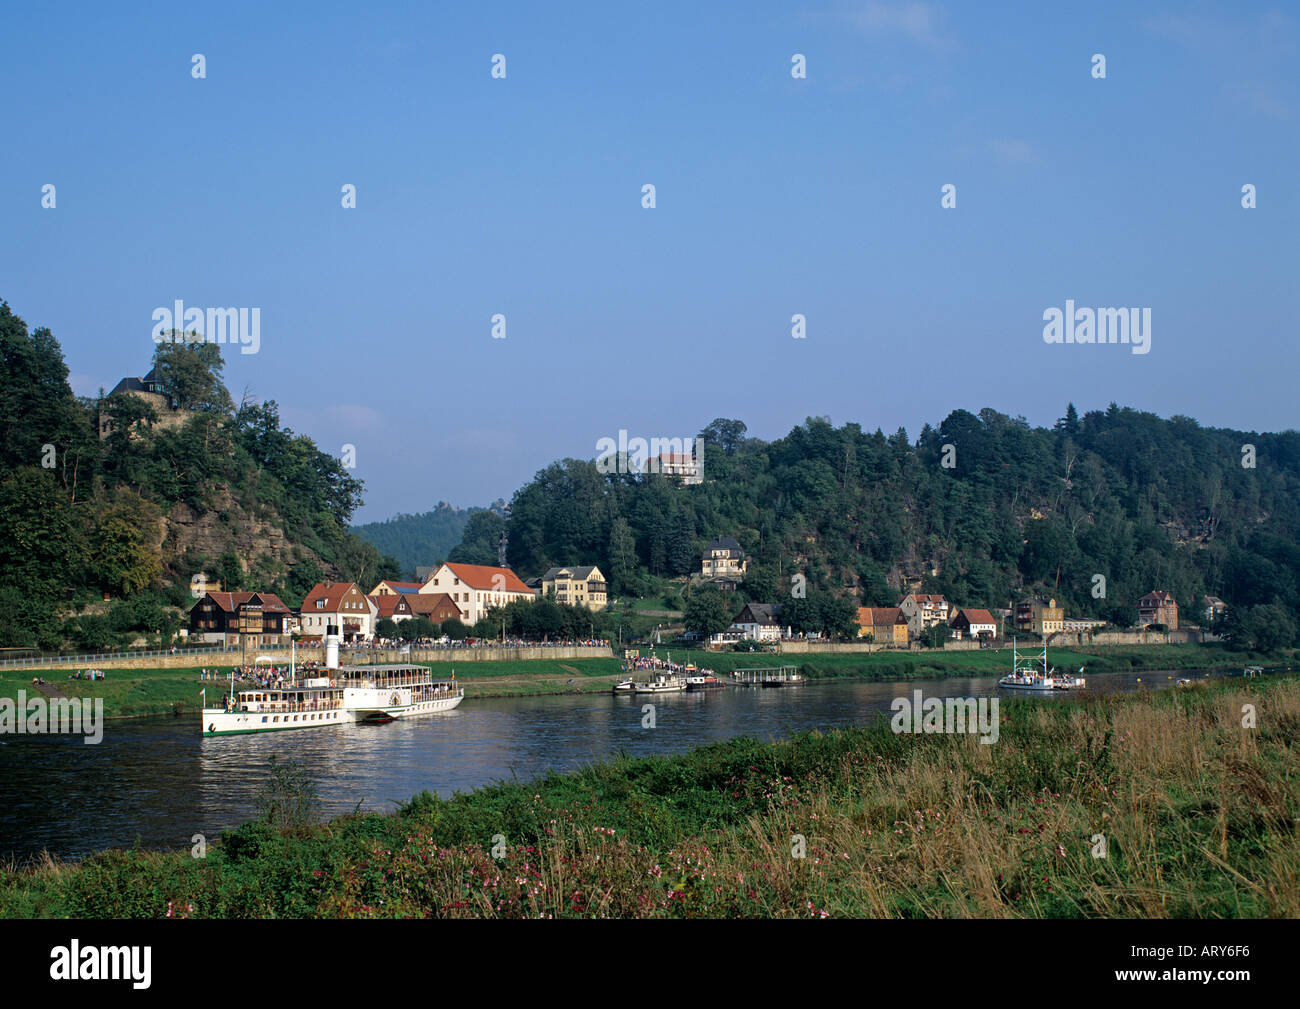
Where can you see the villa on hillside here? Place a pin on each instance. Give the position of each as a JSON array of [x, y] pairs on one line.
[[148, 389], [724, 558], [1213, 608], [576, 586], [684, 466]]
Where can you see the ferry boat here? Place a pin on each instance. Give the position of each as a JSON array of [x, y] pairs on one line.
[[661, 684], [704, 680], [1035, 674], [343, 694]]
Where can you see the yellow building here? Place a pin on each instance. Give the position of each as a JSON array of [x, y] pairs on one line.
[[580, 586], [887, 625], [1040, 616]]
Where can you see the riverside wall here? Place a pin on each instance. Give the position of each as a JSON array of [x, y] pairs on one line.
[[357, 656]]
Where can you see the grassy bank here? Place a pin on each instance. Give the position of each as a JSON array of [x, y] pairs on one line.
[[136, 692], [1198, 816]]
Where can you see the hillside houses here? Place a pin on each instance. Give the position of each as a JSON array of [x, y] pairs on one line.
[[723, 558]]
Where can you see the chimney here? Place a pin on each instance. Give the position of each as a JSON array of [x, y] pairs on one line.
[[331, 647]]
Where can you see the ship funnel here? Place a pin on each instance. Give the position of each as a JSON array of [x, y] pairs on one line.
[[331, 647]]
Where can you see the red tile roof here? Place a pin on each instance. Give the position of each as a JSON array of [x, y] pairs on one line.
[[434, 604], [480, 576], [922, 597], [390, 604], [331, 592], [978, 617]]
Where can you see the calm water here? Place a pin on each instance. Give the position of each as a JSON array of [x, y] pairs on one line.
[[158, 782]]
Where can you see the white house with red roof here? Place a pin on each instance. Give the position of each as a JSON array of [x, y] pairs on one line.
[[476, 588], [341, 604], [973, 624]]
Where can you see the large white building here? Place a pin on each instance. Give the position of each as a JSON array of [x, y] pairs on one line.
[[476, 588]]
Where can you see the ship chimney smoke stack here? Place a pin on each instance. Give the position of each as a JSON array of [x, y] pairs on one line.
[[331, 647]]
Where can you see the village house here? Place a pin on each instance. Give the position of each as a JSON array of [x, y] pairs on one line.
[[393, 606], [391, 588], [723, 557], [760, 622], [1158, 607], [435, 606], [974, 625], [923, 610], [1213, 609], [576, 586], [233, 618], [1040, 616], [342, 605], [887, 625], [476, 588]]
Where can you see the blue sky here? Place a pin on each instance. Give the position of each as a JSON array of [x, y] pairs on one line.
[[775, 196]]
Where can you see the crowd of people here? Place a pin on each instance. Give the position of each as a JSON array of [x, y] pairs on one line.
[[442, 643]]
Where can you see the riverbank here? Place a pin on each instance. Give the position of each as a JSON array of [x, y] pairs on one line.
[[134, 693], [1151, 805]]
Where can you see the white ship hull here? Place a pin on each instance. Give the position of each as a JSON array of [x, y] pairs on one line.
[[220, 722], [364, 703]]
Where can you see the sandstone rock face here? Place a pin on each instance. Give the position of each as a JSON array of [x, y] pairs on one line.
[[259, 543]]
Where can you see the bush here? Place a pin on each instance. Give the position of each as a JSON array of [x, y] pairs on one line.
[[288, 800]]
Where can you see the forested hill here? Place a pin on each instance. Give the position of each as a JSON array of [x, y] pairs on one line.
[[419, 540], [166, 493], [979, 508]]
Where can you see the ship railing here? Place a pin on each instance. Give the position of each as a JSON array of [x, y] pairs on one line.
[[279, 707]]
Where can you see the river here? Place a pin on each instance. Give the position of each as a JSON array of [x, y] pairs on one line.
[[157, 781]]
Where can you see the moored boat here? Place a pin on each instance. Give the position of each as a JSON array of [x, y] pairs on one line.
[[342, 694], [1036, 674]]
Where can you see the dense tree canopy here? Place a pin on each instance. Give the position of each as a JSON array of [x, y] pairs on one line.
[[81, 515]]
